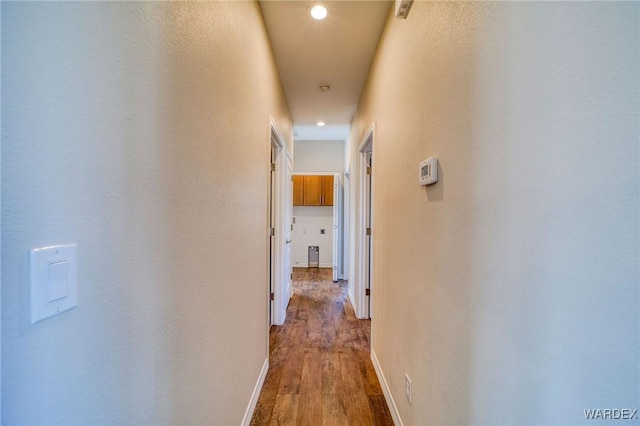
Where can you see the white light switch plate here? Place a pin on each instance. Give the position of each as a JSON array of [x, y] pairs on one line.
[[54, 280]]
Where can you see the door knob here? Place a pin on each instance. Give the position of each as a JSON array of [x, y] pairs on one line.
[[288, 241]]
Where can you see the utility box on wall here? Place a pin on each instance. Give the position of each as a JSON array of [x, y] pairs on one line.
[[314, 257], [307, 230]]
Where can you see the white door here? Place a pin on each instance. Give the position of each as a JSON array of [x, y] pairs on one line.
[[337, 228], [272, 242], [364, 228], [368, 226], [278, 282], [288, 220]]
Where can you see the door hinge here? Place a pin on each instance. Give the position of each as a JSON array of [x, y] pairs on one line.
[[273, 167], [272, 231], [292, 226], [292, 275], [368, 231], [272, 296], [367, 292], [368, 170]]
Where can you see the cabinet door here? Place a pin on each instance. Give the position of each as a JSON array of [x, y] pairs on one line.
[[312, 190], [327, 190], [298, 190]]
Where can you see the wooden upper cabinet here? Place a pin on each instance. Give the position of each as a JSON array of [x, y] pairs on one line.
[[312, 191], [327, 190], [309, 190], [297, 190]]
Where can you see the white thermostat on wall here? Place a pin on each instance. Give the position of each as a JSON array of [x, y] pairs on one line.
[[428, 171]]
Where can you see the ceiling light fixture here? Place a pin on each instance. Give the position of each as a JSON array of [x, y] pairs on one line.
[[320, 123], [319, 12], [324, 87]]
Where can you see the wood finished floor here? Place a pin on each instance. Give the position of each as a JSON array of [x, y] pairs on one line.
[[320, 370]]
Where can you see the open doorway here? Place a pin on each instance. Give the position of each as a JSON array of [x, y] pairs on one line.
[[318, 222]]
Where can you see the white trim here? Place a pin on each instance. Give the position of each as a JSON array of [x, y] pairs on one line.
[[275, 133], [367, 140], [395, 414], [351, 298], [248, 414]]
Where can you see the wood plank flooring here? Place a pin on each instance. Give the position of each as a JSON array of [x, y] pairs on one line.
[[320, 370]]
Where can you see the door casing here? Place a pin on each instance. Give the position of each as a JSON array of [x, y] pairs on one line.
[[364, 259], [279, 280]]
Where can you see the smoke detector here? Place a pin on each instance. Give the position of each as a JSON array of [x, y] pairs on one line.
[[324, 87]]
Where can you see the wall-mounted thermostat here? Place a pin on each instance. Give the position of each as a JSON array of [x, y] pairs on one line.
[[428, 171], [402, 8]]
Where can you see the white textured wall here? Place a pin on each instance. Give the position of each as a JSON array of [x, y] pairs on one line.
[[509, 290], [306, 232], [319, 156], [140, 131]]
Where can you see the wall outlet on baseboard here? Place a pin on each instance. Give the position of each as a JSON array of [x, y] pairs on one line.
[[407, 387]]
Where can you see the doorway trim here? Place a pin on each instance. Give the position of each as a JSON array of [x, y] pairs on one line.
[[280, 286], [364, 219]]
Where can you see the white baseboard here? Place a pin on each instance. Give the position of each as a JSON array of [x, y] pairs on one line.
[[386, 391], [256, 393], [353, 302]]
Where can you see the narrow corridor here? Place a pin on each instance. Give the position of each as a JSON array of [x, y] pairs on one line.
[[320, 369]]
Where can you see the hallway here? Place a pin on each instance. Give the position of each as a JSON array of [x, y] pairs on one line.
[[320, 368], [141, 134]]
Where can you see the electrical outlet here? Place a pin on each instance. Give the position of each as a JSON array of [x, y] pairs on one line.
[[407, 387]]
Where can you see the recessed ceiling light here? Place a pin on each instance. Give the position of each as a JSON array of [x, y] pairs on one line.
[[320, 123], [319, 12]]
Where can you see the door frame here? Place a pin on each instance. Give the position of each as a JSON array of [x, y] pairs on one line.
[[281, 284], [364, 244]]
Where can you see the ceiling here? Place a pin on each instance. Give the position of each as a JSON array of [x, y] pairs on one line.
[[337, 51]]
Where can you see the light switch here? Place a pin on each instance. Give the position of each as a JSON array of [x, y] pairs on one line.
[[53, 276], [58, 280]]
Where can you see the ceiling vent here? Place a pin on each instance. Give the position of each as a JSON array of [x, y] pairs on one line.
[[402, 8]]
